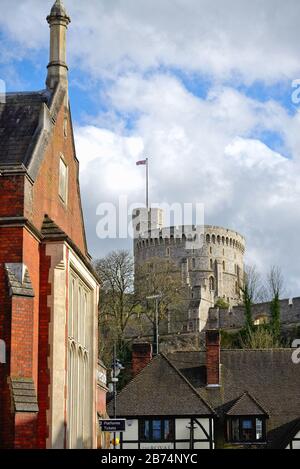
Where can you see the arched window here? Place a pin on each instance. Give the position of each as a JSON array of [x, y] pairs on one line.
[[207, 238], [211, 283], [79, 378], [193, 263], [213, 239], [211, 264], [224, 266]]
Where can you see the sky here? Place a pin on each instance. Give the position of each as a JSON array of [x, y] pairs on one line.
[[205, 88]]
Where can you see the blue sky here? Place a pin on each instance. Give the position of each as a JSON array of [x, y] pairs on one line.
[[204, 88]]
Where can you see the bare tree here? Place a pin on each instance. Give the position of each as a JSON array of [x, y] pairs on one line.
[[275, 282], [160, 277], [275, 287], [252, 292], [117, 305]]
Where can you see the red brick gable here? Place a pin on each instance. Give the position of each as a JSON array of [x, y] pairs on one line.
[[43, 197]]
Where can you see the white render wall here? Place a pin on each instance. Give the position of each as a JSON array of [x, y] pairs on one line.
[[296, 444], [182, 432]]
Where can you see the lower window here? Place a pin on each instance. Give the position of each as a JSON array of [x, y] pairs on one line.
[[157, 430], [246, 429]]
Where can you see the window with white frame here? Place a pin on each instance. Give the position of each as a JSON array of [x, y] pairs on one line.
[[79, 421], [63, 180]]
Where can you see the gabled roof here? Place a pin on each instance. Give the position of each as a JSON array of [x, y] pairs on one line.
[[246, 405], [160, 389]]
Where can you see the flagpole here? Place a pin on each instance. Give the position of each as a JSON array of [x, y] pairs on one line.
[[147, 184]]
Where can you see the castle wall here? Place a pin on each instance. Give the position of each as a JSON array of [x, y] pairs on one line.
[[234, 318]]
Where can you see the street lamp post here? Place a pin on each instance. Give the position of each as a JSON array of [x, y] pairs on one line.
[[156, 298], [115, 371]]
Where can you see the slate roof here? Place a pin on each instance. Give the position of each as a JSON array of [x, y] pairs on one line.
[[160, 389], [19, 121]]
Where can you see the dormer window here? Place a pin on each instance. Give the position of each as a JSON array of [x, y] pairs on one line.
[[63, 180], [246, 421], [245, 429]]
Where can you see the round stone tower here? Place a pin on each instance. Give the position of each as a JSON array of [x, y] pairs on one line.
[[212, 267]]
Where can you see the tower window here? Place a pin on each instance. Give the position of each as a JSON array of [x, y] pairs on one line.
[[224, 266], [193, 263], [211, 283], [63, 180]]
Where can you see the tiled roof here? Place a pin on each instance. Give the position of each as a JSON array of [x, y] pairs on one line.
[[246, 405], [160, 389], [253, 382], [269, 376]]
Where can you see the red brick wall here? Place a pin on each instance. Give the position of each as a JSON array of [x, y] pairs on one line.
[[18, 317], [31, 258], [11, 196], [25, 431], [44, 373], [10, 251], [22, 330]]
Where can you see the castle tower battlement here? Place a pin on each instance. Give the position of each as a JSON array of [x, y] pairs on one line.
[[210, 259]]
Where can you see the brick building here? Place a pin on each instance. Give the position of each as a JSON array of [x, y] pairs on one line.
[[48, 291]]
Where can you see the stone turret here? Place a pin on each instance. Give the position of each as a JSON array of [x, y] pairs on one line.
[[57, 69]]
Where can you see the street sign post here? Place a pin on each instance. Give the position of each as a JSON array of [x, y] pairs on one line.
[[112, 425]]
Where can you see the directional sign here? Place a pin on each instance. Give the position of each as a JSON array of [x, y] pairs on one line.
[[112, 425]]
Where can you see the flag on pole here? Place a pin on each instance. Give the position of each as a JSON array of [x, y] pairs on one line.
[[141, 162]]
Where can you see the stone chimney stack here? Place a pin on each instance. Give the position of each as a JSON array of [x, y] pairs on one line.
[[141, 356], [213, 358], [57, 69]]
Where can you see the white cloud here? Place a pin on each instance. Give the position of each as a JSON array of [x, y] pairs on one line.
[[232, 38], [200, 151], [205, 150]]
